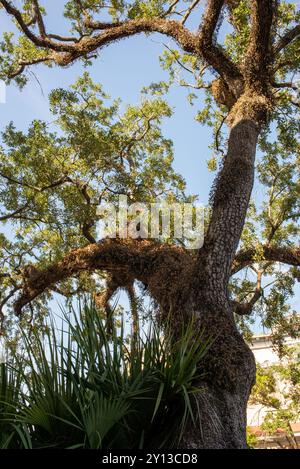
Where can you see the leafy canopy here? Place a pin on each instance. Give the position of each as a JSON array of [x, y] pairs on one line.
[[94, 151]]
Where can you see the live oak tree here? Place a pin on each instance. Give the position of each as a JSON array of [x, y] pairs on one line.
[[250, 84]]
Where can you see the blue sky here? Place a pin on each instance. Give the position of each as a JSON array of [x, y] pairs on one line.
[[123, 69]]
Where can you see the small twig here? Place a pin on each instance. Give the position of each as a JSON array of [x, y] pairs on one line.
[[171, 8], [217, 135], [189, 11]]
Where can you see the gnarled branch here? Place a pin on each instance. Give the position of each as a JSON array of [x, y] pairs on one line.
[[103, 301], [213, 54], [285, 255], [67, 50], [259, 51], [39, 41], [244, 309], [143, 260], [288, 37]]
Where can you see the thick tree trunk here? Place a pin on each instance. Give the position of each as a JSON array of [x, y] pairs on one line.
[[223, 421], [229, 367], [228, 376]]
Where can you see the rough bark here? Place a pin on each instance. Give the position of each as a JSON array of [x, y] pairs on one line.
[[229, 367], [230, 202], [222, 423]]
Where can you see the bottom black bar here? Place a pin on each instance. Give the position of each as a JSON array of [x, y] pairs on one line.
[[148, 458]]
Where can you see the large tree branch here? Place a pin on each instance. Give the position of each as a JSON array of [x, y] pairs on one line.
[[171, 28], [39, 41], [212, 53], [285, 40], [112, 32], [259, 51], [15, 213], [243, 309], [157, 265], [285, 255], [67, 50], [134, 259], [105, 255]]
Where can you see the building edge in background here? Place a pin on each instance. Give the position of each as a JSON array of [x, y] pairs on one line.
[[265, 355]]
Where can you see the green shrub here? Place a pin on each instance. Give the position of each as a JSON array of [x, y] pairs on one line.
[[78, 388]]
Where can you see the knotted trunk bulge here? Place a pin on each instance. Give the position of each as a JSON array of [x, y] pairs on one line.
[[228, 374]]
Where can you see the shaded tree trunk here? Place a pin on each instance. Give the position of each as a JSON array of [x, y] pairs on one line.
[[228, 376], [229, 367], [223, 420]]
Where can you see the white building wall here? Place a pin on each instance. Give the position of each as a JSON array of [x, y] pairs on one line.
[[261, 346]]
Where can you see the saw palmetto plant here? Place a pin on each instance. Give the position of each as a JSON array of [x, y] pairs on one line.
[[77, 387]]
